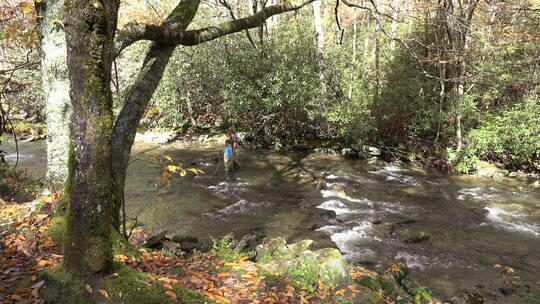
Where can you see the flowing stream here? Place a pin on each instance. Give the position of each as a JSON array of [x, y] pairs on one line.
[[468, 225]]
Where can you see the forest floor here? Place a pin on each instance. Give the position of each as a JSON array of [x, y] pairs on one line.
[[28, 247]]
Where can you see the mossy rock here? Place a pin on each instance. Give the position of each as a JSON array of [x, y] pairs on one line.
[[127, 285], [332, 265]]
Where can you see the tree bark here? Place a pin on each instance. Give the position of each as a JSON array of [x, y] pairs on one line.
[[90, 28], [55, 85]]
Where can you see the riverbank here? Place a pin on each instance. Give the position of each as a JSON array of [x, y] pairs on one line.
[[358, 151]]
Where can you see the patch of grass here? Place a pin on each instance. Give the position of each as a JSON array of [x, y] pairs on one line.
[[224, 249], [56, 229], [62, 287], [123, 247], [129, 287], [125, 285]]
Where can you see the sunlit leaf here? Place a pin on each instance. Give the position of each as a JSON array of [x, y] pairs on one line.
[[172, 168], [171, 294], [104, 293]]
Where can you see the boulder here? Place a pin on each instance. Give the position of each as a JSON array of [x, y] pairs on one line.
[[189, 244], [332, 265], [326, 264], [177, 238], [156, 240], [513, 174], [349, 153], [485, 169], [248, 243], [171, 246]]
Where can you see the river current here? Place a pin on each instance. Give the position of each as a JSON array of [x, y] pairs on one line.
[[467, 225]]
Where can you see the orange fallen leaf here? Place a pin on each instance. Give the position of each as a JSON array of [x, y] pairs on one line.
[[168, 286], [341, 292], [222, 299], [22, 290], [104, 293], [171, 294]]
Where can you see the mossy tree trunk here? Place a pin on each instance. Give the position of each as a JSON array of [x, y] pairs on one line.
[[90, 26]]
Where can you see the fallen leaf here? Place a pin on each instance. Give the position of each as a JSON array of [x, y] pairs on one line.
[[16, 297], [341, 292], [38, 285], [168, 286], [171, 294], [88, 288], [104, 293]]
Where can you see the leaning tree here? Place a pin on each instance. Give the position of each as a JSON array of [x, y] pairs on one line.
[[100, 144]]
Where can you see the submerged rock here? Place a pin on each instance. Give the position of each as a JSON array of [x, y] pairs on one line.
[[413, 236], [466, 298]]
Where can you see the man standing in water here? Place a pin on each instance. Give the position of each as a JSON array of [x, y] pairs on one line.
[[234, 140]]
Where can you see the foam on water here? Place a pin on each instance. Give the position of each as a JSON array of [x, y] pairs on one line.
[[422, 262], [239, 207], [348, 178], [495, 215], [392, 174], [337, 206], [342, 195], [345, 239], [413, 261], [225, 187], [477, 193]]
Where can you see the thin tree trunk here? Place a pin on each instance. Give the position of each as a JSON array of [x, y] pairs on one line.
[[319, 37], [138, 97], [353, 60], [377, 51], [442, 92], [55, 85], [394, 26]]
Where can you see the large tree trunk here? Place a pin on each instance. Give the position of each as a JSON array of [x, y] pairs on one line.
[[90, 28], [55, 84]]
